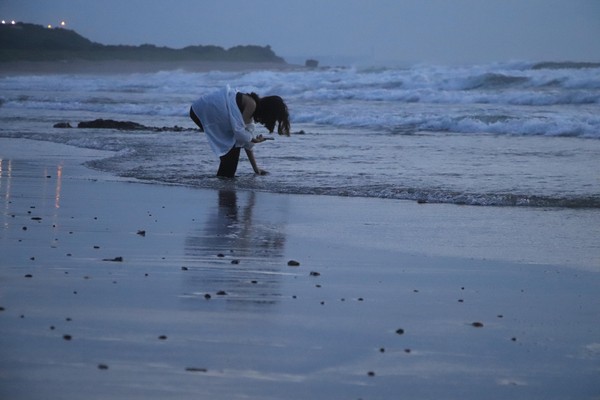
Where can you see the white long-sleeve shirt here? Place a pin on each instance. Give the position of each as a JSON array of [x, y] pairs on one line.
[[222, 121]]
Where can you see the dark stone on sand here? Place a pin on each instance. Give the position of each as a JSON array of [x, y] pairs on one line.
[[514, 339], [220, 255], [400, 331], [96, 247], [36, 218], [2, 308], [184, 268], [111, 124], [477, 324], [116, 259], [235, 262], [67, 337], [293, 263], [102, 366], [207, 296], [315, 273], [130, 126], [162, 337], [371, 373], [28, 276], [221, 293], [141, 233], [407, 351], [62, 125], [421, 201], [24, 228], [195, 369], [382, 350]]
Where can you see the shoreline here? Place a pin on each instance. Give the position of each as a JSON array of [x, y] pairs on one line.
[[125, 66], [116, 289]]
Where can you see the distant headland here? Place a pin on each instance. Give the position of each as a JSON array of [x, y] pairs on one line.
[[35, 43]]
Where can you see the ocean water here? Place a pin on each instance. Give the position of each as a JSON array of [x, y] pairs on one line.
[[506, 134]]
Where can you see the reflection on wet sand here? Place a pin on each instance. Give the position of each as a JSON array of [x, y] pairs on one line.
[[241, 253]]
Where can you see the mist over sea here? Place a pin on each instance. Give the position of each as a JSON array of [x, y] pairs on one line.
[[508, 134]]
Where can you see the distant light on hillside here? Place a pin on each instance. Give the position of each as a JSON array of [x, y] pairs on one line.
[[63, 24], [49, 26]]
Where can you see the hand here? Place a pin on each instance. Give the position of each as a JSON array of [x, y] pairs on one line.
[[260, 139], [261, 172]]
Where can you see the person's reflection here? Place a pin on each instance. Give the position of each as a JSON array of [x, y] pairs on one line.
[[240, 253]]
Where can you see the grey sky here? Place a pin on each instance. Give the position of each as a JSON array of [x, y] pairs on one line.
[[368, 31]]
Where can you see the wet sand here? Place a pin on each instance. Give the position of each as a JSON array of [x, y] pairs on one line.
[[120, 290]]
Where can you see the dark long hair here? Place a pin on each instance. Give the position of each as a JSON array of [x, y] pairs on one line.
[[271, 110]]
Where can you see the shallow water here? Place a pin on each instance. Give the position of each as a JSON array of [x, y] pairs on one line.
[[499, 134]]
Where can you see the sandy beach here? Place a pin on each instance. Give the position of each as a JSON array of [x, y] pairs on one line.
[[120, 290]]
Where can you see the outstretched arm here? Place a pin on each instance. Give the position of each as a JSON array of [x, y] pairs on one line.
[[252, 160]]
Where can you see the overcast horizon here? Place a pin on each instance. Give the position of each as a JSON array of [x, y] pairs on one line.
[[350, 31]]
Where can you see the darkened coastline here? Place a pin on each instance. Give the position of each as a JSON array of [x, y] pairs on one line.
[[29, 42]]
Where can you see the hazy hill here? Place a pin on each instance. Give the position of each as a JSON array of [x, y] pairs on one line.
[[29, 42]]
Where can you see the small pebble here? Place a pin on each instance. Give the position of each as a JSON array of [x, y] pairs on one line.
[[28, 276], [207, 296], [400, 331], [163, 337], [184, 268], [67, 337], [221, 293], [315, 273], [235, 262], [477, 324], [293, 263], [116, 259], [371, 373], [141, 233], [194, 369], [102, 366]]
